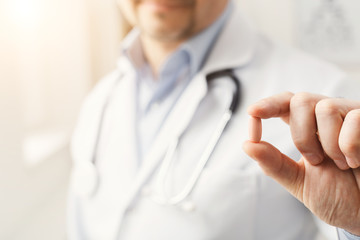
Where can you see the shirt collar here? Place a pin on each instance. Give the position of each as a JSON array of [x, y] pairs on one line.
[[198, 46], [194, 51], [132, 49]]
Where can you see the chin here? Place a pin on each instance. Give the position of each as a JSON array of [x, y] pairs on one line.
[[170, 32], [168, 35]]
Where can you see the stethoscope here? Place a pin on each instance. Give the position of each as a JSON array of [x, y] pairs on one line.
[[90, 172]]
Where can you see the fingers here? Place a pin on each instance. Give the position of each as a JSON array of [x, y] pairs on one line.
[[349, 139], [303, 126], [280, 167], [329, 114], [319, 125], [299, 111], [274, 106]]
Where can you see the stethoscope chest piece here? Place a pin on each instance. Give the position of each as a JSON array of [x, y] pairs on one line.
[[87, 179]]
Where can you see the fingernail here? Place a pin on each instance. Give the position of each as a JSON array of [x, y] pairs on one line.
[[313, 158], [353, 163], [341, 164]]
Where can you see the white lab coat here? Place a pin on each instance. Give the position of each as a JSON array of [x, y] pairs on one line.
[[233, 199]]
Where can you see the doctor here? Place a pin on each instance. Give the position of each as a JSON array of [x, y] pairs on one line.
[[143, 168]]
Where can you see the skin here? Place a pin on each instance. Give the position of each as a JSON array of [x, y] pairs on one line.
[[327, 133], [165, 24]]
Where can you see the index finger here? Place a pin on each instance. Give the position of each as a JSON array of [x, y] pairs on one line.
[[274, 106]]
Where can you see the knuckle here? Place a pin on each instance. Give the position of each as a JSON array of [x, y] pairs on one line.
[[354, 116], [327, 107], [356, 163], [349, 141], [288, 93], [348, 147], [301, 142], [333, 150], [302, 99]]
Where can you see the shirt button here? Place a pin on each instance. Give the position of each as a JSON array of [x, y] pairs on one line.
[[188, 206]]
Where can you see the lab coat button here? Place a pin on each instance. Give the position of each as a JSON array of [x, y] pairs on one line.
[[188, 206]]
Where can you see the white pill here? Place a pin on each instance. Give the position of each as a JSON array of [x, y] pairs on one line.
[[255, 129]]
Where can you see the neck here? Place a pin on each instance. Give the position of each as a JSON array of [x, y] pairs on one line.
[[156, 52]]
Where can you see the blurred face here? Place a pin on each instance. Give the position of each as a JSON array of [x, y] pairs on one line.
[[171, 20]]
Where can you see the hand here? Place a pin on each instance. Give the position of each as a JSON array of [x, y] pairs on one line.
[[327, 133]]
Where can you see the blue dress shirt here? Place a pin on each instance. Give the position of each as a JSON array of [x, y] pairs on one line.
[[344, 235]]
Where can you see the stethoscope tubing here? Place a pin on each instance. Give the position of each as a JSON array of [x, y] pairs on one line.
[[168, 159], [164, 169], [165, 199]]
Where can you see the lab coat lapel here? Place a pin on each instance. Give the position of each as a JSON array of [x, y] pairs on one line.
[[176, 123], [118, 166], [124, 142], [179, 118], [122, 131]]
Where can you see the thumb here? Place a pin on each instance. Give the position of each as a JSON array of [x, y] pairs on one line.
[[278, 166]]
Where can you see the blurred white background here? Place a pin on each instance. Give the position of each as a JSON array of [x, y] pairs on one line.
[[51, 53]]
